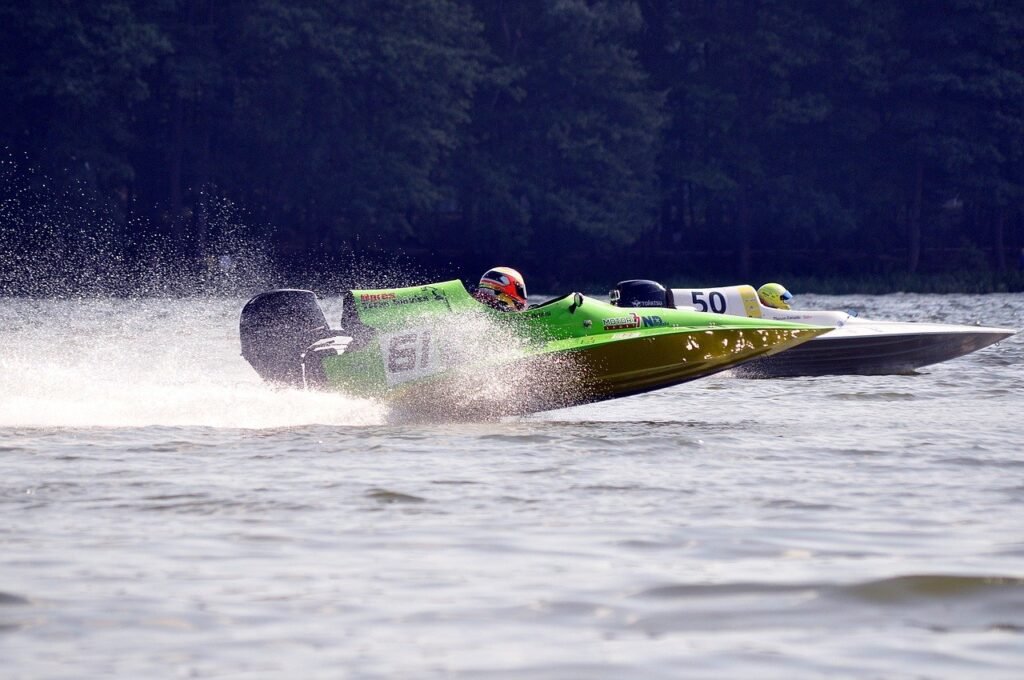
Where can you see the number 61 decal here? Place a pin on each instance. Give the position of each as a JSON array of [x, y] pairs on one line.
[[408, 355]]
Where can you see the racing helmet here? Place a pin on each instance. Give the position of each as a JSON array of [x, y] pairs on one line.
[[506, 287], [774, 295]]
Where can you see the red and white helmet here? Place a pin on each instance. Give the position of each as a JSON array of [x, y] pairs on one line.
[[506, 286]]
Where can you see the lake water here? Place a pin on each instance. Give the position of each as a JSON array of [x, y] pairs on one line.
[[166, 515]]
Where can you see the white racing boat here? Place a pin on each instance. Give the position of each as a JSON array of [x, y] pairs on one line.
[[856, 346]]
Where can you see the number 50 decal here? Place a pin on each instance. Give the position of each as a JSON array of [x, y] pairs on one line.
[[715, 302], [408, 355]]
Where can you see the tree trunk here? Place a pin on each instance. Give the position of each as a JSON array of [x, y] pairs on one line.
[[914, 220], [177, 152], [743, 233], [200, 215], [999, 238], [200, 137]]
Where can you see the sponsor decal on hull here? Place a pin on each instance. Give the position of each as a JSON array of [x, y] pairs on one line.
[[620, 323], [376, 300]]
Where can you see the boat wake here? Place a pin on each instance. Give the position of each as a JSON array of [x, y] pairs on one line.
[[136, 363], [125, 363], [57, 401]]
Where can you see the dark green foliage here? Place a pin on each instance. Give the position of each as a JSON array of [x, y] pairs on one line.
[[746, 82], [570, 138], [569, 123], [71, 78], [348, 110]]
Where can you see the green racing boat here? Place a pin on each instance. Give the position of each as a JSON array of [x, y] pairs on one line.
[[437, 351]]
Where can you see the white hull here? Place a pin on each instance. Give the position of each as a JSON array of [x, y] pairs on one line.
[[856, 347], [868, 347]]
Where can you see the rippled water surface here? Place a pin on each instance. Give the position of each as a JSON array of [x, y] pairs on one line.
[[166, 515]]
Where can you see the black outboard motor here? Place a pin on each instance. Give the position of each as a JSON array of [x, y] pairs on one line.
[[641, 293], [276, 327]]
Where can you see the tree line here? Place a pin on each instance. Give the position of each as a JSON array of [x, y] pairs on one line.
[[566, 137]]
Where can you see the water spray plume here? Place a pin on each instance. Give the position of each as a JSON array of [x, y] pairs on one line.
[[136, 363], [68, 242], [491, 372], [110, 322]]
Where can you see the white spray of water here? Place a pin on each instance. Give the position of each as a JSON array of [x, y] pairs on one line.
[[110, 362], [488, 373], [73, 356], [131, 363], [72, 361]]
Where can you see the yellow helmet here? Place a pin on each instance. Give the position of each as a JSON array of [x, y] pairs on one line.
[[774, 295]]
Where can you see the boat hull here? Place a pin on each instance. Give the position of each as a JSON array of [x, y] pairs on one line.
[[641, 364], [857, 346], [896, 349], [563, 377], [438, 352]]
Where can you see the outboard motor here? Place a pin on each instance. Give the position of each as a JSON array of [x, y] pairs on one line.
[[276, 327], [641, 293]]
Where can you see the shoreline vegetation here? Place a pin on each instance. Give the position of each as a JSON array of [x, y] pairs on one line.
[[247, 272], [855, 145]]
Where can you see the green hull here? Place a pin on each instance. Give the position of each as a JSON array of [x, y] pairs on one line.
[[435, 348]]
